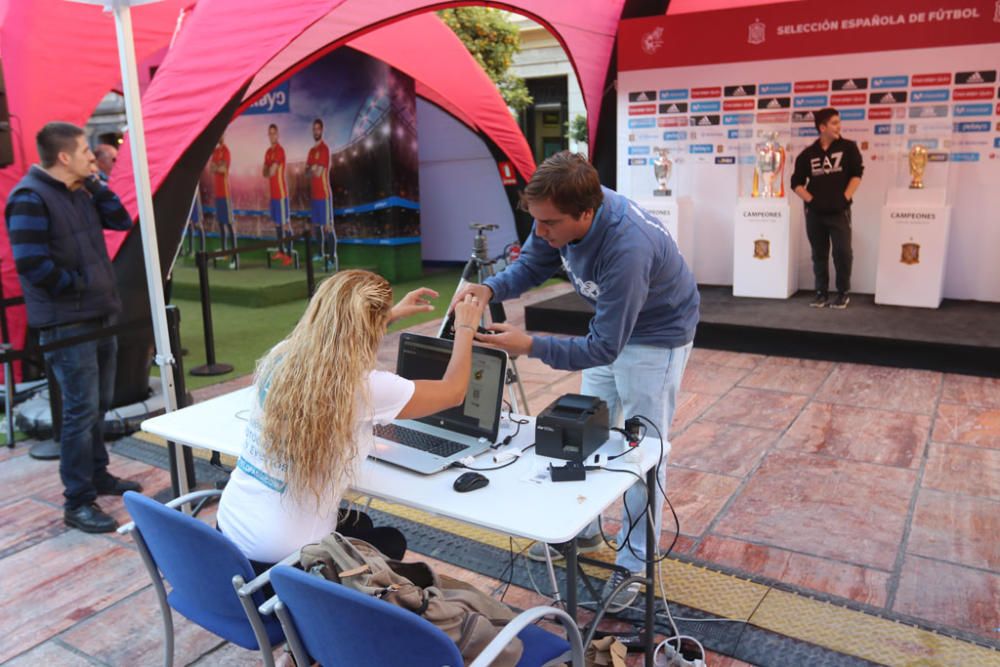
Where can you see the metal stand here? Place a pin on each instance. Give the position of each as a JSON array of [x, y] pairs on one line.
[[482, 266]]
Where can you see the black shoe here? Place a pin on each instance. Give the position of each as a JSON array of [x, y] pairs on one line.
[[116, 486], [90, 519], [821, 300], [843, 298]]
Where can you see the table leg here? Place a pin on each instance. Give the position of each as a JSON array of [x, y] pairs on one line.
[[651, 552], [571, 565]]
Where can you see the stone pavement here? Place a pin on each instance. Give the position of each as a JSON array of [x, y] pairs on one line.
[[874, 486]]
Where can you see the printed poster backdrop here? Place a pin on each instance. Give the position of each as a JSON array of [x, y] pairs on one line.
[[900, 73], [369, 115]]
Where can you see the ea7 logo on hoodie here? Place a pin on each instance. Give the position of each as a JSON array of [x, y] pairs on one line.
[[829, 164], [588, 289]]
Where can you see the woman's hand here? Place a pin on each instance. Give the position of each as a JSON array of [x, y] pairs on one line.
[[468, 312], [414, 302]]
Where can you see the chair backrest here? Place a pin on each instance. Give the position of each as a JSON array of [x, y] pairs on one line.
[[200, 563], [340, 626]]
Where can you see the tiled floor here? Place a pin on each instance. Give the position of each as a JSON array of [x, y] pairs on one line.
[[877, 486]]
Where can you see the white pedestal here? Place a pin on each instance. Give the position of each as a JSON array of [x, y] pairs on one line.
[[765, 249], [913, 245], [677, 215]]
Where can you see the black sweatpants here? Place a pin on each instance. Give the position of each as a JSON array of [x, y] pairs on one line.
[[824, 230], [352, 523]]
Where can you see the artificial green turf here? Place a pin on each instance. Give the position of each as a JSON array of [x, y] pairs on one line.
[[253, 286], [243, 335]]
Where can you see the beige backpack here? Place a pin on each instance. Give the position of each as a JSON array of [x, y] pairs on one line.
[[468, 616]]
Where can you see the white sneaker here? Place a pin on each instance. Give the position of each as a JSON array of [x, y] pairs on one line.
[[584, 545], [621, 600]]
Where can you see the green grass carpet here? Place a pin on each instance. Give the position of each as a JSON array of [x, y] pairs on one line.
[[244, 334]]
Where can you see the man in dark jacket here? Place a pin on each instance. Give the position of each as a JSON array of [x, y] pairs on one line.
[[55, 216], [826, 175]]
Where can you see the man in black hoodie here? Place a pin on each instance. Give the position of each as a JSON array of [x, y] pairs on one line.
[[826, 175]]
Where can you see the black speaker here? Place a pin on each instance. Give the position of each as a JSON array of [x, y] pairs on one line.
[[6, 138]]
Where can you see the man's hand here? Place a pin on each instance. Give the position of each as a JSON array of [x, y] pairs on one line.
[[482, 293], [508, 338], [414, 302]]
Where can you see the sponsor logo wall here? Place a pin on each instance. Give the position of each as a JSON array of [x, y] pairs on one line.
[[945, 98]]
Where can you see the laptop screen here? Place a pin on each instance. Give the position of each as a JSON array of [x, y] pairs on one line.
[[425, 358]]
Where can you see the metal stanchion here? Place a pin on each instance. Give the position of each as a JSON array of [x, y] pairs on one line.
[[49, 450], [174, 334], [310, 277], [210, 367]]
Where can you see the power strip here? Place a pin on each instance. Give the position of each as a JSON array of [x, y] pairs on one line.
[[667, 655]]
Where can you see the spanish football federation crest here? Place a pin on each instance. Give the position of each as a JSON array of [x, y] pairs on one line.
[[653, 40], [762, 249], [910, 254], [756, 34]]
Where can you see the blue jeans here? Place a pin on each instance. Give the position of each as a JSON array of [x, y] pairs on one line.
[[643, 380], [86, 376]]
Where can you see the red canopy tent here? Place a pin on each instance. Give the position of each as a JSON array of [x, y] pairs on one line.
[[42, 88], [60, 59], [229, 51], [275, 38]]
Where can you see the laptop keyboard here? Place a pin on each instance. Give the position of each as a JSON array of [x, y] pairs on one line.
[[418, 440]]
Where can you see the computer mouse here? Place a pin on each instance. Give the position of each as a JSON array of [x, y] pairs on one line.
[[470, 481]]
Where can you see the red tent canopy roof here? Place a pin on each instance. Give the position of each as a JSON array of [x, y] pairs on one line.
[[200, 73]]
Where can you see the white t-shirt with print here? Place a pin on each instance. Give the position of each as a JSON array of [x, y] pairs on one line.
[[261, 516]]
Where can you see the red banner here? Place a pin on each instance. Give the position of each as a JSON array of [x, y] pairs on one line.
[[773, 117], [941, 79], [879, 114], [700, 93], [807, 28], [642, 110], [973, 93], [812, 86], [848, 100], [739, 105]]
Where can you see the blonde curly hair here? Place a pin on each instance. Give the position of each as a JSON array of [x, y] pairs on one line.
[[317, 382]]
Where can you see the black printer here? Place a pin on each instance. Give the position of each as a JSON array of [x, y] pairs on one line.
[[572, 428]]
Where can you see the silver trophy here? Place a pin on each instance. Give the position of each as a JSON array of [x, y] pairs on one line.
[[662, 166], [769, 167]]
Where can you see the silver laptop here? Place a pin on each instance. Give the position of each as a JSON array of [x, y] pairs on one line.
[[433, 443]]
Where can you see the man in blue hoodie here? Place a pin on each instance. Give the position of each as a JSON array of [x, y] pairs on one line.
[[622, 260]]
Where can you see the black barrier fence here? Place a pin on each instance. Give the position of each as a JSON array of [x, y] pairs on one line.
[[8, 366], [211, 366], [33, 351]]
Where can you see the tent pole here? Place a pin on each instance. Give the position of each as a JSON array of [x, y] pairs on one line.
[[147, 224]]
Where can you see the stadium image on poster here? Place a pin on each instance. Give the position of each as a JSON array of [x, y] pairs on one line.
[[356, 168]]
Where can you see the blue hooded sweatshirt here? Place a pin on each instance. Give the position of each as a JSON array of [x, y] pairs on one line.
[[629, 268]]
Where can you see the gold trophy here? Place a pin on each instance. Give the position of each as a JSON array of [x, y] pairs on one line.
[[769, 166], [918, 163]]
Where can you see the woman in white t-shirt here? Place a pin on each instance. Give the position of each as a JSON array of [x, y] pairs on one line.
[[317, 396]]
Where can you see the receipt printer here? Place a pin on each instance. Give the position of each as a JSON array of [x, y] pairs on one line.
[[572, 428]]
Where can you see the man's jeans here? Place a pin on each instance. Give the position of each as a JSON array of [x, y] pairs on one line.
[[86, 376], [824, 230], [643, 380]]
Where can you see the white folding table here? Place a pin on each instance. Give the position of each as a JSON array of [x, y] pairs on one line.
[[520, 500]]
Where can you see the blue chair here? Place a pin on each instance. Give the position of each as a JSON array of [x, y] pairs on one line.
[[208, 575], [336, 625]]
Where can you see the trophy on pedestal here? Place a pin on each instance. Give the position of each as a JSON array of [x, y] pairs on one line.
[[662, 166], [918, 163], [769, 166]]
